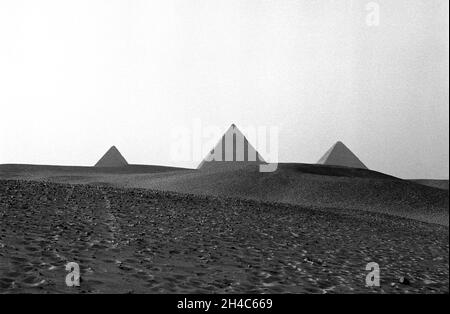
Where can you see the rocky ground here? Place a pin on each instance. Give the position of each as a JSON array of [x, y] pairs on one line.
[[134, 241]]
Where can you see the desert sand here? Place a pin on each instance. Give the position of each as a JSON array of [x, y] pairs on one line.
[[440, 184], [318, 186], [153, 229], [139, 240]]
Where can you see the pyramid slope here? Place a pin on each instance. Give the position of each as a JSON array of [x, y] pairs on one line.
[[232, 149], [112, 158], [340, 155]]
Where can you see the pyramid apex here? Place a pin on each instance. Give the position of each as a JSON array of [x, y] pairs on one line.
[[341, 155], [112, 158], [233, 148]]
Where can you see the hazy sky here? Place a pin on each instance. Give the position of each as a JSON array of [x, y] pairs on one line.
[[79, 76]]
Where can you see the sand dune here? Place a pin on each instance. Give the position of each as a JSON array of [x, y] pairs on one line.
[[76, 174], [137, 240], [315, 186], [311, 185], [440, 184]]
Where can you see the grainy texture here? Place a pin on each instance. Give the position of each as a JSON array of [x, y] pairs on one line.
[[440, 184], [133, 240], [299, 184]]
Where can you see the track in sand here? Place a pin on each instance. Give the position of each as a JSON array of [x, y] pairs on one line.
[[135, 240]]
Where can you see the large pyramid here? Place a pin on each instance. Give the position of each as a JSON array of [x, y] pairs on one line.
[[112, 158], [340, 155], [232, 150]]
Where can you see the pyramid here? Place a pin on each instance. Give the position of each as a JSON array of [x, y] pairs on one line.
[[233, 149], [340, 155], [112, 158]]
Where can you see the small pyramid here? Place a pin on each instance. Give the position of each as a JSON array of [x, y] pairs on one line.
[[232, 148], [112, 158], [340, 155]]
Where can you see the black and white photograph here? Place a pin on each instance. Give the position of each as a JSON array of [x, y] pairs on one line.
[[202, 149]]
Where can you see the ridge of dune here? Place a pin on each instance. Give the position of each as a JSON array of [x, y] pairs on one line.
[[318, 186], [311, 185]]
